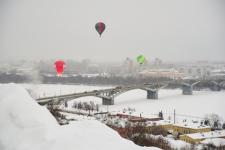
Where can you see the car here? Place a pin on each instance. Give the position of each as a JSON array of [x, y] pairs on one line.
[[147, 84], [63, 122]]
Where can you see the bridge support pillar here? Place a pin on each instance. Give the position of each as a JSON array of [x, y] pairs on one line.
[[107, 101], [215, 87], [187, 90], [152, 94]]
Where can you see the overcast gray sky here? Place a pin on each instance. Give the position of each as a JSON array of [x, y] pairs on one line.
[[173, 30]]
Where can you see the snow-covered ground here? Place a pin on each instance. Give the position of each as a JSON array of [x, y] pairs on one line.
[[25, 125], [195, 106], [215, 141]]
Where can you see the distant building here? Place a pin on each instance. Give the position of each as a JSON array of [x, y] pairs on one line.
[[93, 68], [157, 62], [135, 118], [218, 73], [128, 66], [202, 69], [196, 71], [166, 73]]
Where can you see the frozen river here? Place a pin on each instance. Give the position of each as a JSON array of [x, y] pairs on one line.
[[197, 105]]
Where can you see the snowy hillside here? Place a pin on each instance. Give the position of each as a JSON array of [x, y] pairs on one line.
[[25, 125]]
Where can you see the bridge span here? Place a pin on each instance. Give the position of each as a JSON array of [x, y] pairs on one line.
[[108, 95]]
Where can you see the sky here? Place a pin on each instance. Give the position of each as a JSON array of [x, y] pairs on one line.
[[172, 30]]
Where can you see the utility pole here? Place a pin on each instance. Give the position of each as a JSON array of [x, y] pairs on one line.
[[157, 74], [174, 116]]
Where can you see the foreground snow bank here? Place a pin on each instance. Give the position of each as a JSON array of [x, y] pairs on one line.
[[25, 125]]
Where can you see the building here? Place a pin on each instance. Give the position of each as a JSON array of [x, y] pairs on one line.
[[198, 137], [219, 73], [128, 66], [162, 73], [135, 118], [189, 128], [182, 128]]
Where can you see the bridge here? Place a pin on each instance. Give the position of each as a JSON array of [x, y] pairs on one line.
[[217, 86], [108, 95]]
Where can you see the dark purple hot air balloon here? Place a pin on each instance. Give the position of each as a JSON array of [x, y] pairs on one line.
[[100, 27]]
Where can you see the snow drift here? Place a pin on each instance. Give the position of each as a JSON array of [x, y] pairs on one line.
[[25, 125]]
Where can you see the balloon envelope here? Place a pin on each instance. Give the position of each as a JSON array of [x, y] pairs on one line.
[[140, 59], [100, 27], [59, 66]]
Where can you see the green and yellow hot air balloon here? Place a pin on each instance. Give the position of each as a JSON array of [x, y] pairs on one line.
[[141, 59]]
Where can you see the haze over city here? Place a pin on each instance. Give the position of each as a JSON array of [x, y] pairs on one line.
[[112, 74], [174, 30]]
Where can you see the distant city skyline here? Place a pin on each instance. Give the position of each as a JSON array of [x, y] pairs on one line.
[[174, 31]]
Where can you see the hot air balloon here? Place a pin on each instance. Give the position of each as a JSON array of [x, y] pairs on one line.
[[100, 27], [59, 66], [141, 59]]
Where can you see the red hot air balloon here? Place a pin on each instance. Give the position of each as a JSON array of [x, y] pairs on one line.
[[100, 27], [59, 66]]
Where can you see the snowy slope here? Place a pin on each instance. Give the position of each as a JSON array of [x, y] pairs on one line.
[[25, 125]]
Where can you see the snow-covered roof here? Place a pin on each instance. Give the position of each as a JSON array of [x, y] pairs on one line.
[[160, 122], [134, 113], [191, 125], [215, 141], [94, 75], [180, 124], [207, 135], [218, 70]]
